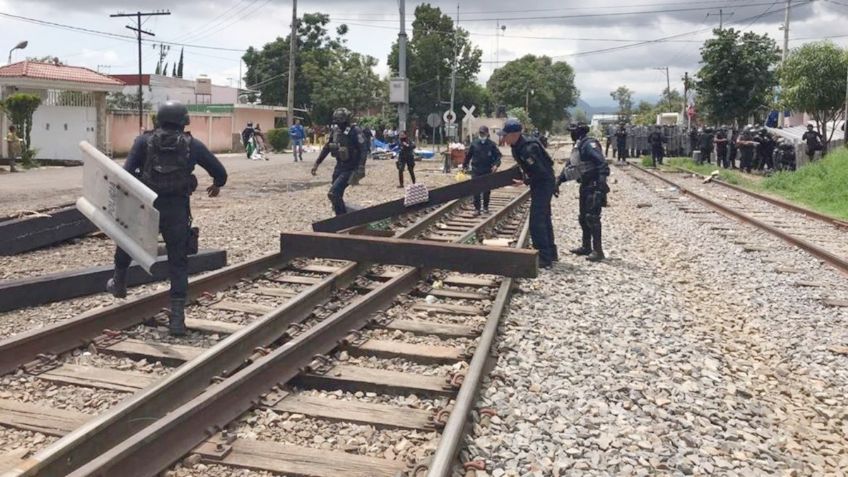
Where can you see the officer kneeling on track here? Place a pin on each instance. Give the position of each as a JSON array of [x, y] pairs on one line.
[[164, 160], [588, 167], [538, 170], [347, 146]]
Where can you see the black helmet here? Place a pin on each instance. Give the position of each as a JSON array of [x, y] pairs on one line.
[[172, 112], [578, 130], [342, 116]]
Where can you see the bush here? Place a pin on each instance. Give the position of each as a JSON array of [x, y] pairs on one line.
[[646, 161], [278, 139]]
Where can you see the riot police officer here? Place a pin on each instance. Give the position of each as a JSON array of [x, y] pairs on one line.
[[347, 146], [706, 143], [747, 145], [164, 160], [485, 158], [814, 142], [537, 167], [621, 142], [405, 157], [656, 139], [720, 142], [588, 166]]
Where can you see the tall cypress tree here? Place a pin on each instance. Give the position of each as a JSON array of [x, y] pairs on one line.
[[180, 66], [174, 70]]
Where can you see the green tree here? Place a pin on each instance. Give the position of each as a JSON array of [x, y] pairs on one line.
[[348, 80], [580, 116], [430, 54], [20, 108], [645, 114], [737, 75], [121, 101], [624, 96], [544, 87], [812, 80], [180, 64], [521, 115]]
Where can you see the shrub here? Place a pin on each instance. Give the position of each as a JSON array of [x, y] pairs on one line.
[[278, 139]]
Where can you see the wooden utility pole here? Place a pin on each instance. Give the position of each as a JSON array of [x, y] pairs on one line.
[[292, 52], [137, 29], [783, 56]]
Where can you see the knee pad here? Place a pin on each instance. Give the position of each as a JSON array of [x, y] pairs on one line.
[[593, 220]]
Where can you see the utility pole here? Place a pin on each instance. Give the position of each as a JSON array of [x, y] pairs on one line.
[[686, 99], [783, 55], [667, 82], [453, 70], [292, 51], [402, 107], [139, 32]]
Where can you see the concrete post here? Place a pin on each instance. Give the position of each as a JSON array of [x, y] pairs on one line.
[[100, 121]]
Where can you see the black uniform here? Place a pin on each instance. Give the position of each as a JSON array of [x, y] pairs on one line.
[[347, 146], [814, 143], [589, 167], [706, 143], [693, 139], [538, 170], [406, 159], [360, 169], [621, 143], [656, 139], [734, 135], [720, 142], [173, 191], [747, 146], [765, 151], [483, 155]]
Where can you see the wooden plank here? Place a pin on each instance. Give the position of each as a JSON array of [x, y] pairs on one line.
[[30, 233], [10, 460], [459, 294], [447, 308], [16, 294], [212, 326], [44, 419], [102, 378], [240, 307], [383, 276], [418, 353], [516, 263], [445, 330], [299, 461], [378, 415], [273, 291], [295, 279], [314, 268], [358, 378], [835, 302], [462, 281], [437, 196], [166, 353]]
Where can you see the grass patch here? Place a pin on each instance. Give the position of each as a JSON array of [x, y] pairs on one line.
[[646, 161], [822, 185], [727, 175]]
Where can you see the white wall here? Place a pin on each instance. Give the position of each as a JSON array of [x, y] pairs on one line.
[[57, 131], [164, 88]]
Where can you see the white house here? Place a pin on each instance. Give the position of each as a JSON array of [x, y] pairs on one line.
[[157, 89]]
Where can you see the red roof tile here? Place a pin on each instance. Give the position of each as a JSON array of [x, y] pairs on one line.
[[49, 71]]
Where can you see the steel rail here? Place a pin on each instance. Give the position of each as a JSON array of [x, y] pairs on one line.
[[163, 442], [835, 261], [189, 380], [442, 461], [773, 200]]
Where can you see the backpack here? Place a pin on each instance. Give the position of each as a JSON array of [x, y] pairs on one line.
[[167, 168]]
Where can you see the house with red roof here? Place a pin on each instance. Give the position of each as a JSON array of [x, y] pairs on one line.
[[73, 106]]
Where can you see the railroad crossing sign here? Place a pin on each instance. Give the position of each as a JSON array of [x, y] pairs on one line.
[[449, 116], [433, 120], [469, 112]]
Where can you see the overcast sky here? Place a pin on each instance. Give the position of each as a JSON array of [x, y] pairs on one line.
[[568, 30]]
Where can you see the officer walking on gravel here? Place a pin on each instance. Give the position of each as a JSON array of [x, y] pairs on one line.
[[347, 146], [588, 167], [537, 167], [656, 139], [485, 158], [164, 160]]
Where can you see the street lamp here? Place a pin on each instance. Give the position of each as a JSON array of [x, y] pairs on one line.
[[19, 46]]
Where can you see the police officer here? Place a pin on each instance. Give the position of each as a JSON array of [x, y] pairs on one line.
[[766, 150], [485, 158], [405, 158], [693, 139], [360, 170], [538, 171], [720, 142], [347, 146], [734, 135], [656, 139], [747, 146], [706, 145], [588, 167], [621, 142], [164, 160], [813, 139]]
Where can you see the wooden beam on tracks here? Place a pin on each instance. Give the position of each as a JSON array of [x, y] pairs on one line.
[[75, 283], [517, 263], [29, 233], [439, 195]]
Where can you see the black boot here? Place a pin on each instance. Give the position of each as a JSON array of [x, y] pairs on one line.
[[597, 250], [176, 323], [117, 285], [400, 179], [586, 248]]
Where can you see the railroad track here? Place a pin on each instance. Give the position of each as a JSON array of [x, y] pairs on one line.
[[823, 237], [266, 335]]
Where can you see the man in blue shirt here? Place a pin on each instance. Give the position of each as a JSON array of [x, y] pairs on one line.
[[164, 160], [297, 135]]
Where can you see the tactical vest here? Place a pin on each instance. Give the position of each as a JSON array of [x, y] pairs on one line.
[[530, 161], [340, 144], [167, 168]]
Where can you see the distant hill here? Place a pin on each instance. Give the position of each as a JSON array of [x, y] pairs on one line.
[[591, 110]]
